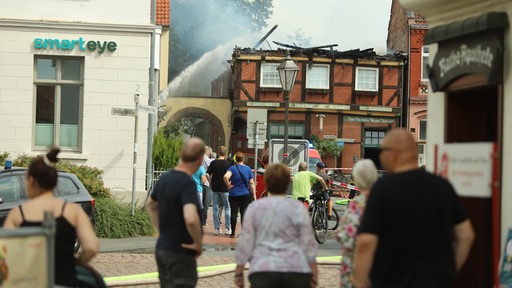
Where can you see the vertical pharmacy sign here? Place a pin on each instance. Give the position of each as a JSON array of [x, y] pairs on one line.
[[468, 166]]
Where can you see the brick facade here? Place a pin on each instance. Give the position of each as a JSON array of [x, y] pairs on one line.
[[346, 113]]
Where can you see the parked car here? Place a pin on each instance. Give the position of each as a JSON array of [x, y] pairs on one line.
[[69, 188]]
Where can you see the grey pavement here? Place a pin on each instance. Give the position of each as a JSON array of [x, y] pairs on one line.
[[121, 257]]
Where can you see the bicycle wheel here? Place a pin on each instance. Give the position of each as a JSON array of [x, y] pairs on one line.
[[320, 225], [332, 223]]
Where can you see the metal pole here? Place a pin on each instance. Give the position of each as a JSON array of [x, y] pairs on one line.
[[151, 100], [134, 177], [255, 150], [285, 148]]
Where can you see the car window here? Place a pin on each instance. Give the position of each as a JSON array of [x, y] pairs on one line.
[[65, 186], [10, 189]]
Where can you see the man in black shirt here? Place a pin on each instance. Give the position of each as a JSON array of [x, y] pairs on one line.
[[174, 209], [414, 231], [216, 170]]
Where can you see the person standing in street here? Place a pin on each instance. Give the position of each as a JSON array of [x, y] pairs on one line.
[[216, 171], [414, 231], [200, 178], [207, 191], [240, 181], [71, 222], [302, 182], [277, 239], [174, 210], [364, 174]]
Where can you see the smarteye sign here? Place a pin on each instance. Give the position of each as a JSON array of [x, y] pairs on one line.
[[80, 43]]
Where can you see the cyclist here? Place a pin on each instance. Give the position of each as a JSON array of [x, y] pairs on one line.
[[317, 187], [302, 182]]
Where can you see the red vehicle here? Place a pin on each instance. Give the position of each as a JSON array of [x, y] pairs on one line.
[[314, 157], [258, 173]]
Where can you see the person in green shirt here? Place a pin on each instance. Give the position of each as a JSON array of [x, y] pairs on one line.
[[303, 180]]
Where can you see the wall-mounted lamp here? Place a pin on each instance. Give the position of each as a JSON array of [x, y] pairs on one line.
[[321, 119]]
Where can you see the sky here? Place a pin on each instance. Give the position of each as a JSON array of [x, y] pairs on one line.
[[351, 24]]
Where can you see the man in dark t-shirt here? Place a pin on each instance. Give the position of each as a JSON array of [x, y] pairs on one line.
[[414, 231], [216, 170], [174, 209]]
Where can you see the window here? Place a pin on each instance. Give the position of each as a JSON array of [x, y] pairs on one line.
[[59, 92], [422, 135], [295, 131], [10, 188], [373, 138], [424, 62], [270, 75], [66, 186], [367, 79], [317, 76]]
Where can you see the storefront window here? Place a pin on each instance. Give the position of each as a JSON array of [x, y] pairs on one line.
[[58, 102], [373, 138]]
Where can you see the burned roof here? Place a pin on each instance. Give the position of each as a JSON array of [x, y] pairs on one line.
[[369, 53]]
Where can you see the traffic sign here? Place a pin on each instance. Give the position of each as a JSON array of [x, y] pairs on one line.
[[148, 109], [119, 111]]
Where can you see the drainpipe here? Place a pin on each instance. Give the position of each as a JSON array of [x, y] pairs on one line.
[[151, 100]]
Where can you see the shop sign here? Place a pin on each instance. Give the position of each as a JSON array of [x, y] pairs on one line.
[[475, 54], [80, 44], [350, 118]]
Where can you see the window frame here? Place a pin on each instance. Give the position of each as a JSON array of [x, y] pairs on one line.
[[58, 83], [356, 84], [290, 136], [424, 62], [380, 135], [420, 130], [309, 67], [262, 75]]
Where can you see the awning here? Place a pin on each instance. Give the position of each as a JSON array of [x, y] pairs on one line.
[[485, 22]]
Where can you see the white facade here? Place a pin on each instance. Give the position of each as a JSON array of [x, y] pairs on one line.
[[109, 79]]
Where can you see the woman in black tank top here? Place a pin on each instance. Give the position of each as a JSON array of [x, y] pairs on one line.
[[69, 218]]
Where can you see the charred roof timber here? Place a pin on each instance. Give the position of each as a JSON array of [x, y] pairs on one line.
[[317, 51]]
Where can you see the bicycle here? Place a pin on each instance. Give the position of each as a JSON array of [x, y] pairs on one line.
[[320, 217]]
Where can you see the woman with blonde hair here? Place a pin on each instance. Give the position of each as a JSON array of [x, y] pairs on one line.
[[364, 174], [70, 219]]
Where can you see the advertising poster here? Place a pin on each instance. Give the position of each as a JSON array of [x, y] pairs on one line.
[[23, 262]]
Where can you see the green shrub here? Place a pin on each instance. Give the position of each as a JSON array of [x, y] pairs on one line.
[[4, 156], [23, 160], [114, 220], [166, 150]]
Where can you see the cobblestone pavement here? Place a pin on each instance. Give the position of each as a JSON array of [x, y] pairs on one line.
[[118, 264], [128, 263]]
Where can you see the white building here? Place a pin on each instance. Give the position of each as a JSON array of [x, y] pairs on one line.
[[64, 67]]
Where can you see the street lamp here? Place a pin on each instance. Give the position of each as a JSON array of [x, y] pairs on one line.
[[287, 73]]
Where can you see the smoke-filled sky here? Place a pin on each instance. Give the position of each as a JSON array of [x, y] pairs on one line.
[[208, 30], [349, 23]]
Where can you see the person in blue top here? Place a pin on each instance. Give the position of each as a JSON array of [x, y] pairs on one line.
[[240, 181], [200, 179]]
